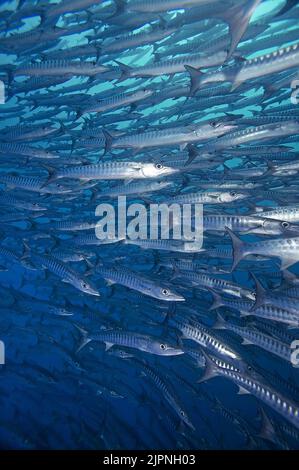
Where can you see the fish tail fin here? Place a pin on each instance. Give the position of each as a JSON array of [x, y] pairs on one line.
[[27, 250], [52, 175], [210, 369], [170, 312], [125, 71], [90, 267], [219, 323], [238, 248], [217, 301], [85, 339], [260, 296], [108, 141], [192, 154], [288, 6], [267, 430], [196, 77], [238, 18]]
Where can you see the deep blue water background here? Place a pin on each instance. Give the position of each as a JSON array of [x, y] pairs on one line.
[[52, 397]]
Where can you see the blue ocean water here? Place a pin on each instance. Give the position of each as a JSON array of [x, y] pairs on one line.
[[55, 396]]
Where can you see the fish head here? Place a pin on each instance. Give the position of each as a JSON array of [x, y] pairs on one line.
[[218, 128], [87, 287], [164, 293], [156, 170], [232, 196], [184, 417], [34, 206], [278, 227], [144, 93], [162, 348], [289, 229], [270, 227]]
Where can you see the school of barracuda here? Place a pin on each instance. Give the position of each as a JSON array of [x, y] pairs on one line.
[[149, 344]]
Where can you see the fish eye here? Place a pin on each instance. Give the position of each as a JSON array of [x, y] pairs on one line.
[[233, 193], [182, 413], [84, 285], [285, 224], [249, 368], [159, 166], [163, 347], [165, 291]]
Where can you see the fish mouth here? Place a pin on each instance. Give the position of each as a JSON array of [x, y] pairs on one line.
[[177, 298], [173, 352]]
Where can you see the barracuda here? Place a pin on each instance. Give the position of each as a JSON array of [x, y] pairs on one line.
[[267, 311], [130, 339], [253, 336], [287, 249], [116, 101], [60, 67], [61, 270], [173, 136], [203, 336], [133, 280], [112, 171], [247, 384], [261, 66]]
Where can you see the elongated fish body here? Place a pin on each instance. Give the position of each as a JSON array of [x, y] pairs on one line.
[[167, 392], [133, 340], [264, 341], [134, 281], [261, 66], [133, 188], [285, 169], [210, 197], [68, 6], [12, 201], [209, 282], [91, 239], [288, 213], [172, 66], [113, 171], [24, 150], [179, 135], [60, 67], [43, 307], [167, 245], [267, 311], [287, 249], [203, 336], [248, 224], [63, 272], [165, 5], [258, 133], [70, 225], [247, 384], [116, 101], [137, 39], [23, 134]]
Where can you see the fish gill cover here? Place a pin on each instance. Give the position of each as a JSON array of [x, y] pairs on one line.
[[149, 289]]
